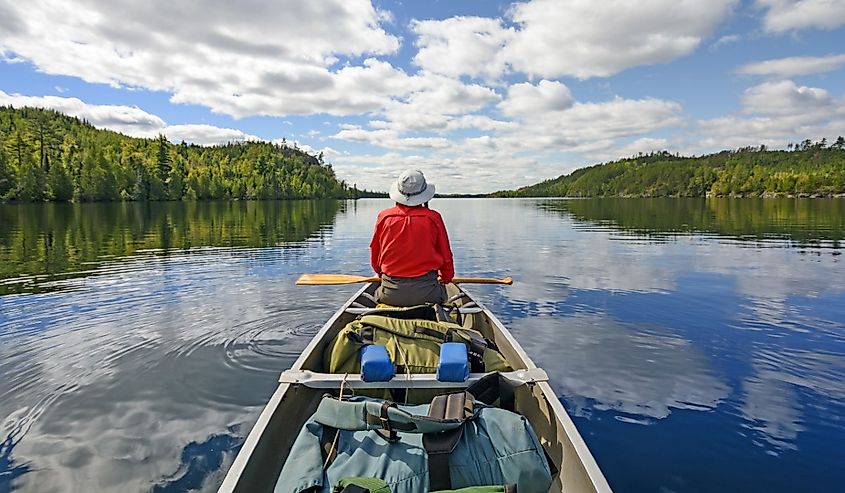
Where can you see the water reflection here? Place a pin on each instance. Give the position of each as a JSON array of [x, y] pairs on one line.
[[642, 372], [774, 403], [200, 461], [804, 221], [39, 242]]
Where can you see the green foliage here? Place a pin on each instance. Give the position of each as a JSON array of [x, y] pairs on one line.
[[810, 169], [45, 155], [41, 240]]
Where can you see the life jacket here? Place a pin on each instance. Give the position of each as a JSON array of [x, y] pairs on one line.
[[455, 441]]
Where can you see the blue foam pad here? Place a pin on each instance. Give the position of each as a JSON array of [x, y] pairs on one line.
[[454, 364], [375, 364]]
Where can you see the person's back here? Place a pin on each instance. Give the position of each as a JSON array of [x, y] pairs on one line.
[[410, 247]]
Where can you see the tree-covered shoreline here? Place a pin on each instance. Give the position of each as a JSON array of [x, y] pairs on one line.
[[808, 169], [48, 156]]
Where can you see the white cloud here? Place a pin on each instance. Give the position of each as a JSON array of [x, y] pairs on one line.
[[612, 119], [574, 38], [792, 66], [726, 40], [436, 101], [206, 134], [129, 120], [579, 39], [547, 124], [792, 15], [644, 145], [232, 57], [786, 98], [461, 45], [527, 100], [391, 139], [778, 113]]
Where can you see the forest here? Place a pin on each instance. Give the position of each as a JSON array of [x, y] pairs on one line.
[[48, 156], [806, 169]]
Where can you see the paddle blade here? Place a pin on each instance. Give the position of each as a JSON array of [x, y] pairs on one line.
[[322, 279]]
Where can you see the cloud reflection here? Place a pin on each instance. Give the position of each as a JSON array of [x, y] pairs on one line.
[[639, 371]]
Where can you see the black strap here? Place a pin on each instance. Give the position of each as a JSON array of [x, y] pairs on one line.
[[456, 311], [367, 334], [364, 336], [443, 337], [439, 446], [442, 316], [475, 353], [327, 444], [493, 387], [388, 428]]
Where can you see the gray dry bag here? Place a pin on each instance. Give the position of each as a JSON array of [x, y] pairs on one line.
[[454, 442]]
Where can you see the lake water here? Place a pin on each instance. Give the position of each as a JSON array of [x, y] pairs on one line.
[[698, 344]]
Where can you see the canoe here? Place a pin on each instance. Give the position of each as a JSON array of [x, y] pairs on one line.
[[259, 462]]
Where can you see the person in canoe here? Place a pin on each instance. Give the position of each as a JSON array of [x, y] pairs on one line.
[[410, 248]]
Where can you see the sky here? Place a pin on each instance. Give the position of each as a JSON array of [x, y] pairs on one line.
[[479, 95]]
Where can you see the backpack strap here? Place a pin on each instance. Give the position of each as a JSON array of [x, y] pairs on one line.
[[439, 446], [359, 414], [475, 353]]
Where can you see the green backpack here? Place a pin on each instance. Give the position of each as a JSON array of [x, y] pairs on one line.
[[413, 345]]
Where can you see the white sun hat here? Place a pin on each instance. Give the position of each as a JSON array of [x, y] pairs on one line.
[[411, 188]]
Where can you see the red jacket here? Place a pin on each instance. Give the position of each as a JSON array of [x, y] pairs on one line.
[[410, 242]]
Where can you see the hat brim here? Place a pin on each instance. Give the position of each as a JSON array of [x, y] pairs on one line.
[[413, 200]]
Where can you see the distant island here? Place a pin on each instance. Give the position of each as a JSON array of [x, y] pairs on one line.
[[48, 156], [806, 169]]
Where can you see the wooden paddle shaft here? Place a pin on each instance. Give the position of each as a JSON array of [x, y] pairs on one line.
[[326, 279]]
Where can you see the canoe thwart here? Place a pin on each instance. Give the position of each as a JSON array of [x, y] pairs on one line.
[[317, 380]]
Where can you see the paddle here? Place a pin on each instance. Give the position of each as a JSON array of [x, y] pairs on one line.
[[320, 279]]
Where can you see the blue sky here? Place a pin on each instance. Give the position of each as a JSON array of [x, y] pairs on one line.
[[480, 95]]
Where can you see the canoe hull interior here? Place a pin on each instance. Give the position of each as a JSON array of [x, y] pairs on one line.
[[258, 464]]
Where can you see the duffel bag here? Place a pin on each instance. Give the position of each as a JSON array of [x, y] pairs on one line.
[[454, 442]]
